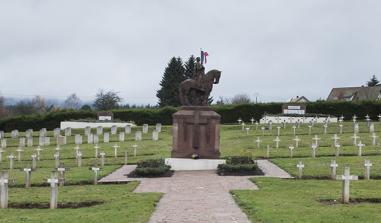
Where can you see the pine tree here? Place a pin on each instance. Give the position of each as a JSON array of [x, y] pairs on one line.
[[373, 81], [173, 75], [189, 67]]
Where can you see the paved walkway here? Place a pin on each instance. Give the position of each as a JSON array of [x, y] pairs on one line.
[[272, 170], [196, 196]]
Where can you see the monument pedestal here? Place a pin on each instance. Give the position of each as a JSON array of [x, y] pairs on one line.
[[196, 132]]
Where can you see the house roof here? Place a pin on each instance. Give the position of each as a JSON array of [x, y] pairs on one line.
[[298, 99], [354, 93]]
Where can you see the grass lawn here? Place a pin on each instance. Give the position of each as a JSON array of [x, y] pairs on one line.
[[120, 204], [280, 200]]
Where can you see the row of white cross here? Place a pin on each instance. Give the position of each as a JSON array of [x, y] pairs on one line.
[[53, 181]]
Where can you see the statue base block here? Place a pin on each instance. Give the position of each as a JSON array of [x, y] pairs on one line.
[[191, 164], [196, 133]]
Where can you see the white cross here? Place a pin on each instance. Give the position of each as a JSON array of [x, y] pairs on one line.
[[239, 121], [355, 137], [367, 165], [379, 117], [294, 129], [300, 167], [278, 130], [291, 148], [354, 118], [134, 146], [252, 121], [346, 178], [277, 140], [313, 147], [337, 148], [53, 182], [316, 138], [258, 141], [96, 147], [335, 138], [374, 137], [116, 146], [325, 129], [268, 151], [360, 146], [247, 130], [309, 129], [333, 166], [297, 140]]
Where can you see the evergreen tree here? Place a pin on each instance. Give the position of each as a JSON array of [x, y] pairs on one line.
[[373, 81], [189, 67], [173, 75]]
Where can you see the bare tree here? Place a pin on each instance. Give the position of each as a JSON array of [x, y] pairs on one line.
[[241, 99], [72, 102], [38, 103]]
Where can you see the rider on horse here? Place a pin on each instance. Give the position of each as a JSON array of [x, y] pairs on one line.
[[198, 74]]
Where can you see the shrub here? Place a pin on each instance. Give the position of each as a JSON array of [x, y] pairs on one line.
[[152, 168], [239, 165]]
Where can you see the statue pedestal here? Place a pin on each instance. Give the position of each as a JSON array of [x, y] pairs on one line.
[[196, 132]]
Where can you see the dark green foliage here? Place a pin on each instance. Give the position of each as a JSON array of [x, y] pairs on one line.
[[49, 120], [239, 165], [189, 67], [373, 81], [173, 75], [146, 116], [229, 114], [152, 168], [239, 160]]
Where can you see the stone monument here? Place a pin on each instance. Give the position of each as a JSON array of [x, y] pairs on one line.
[[196, 131]]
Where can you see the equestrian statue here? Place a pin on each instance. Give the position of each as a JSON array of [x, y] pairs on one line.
[[196, 91]]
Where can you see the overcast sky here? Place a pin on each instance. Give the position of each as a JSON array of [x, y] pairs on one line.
[[271, 49]]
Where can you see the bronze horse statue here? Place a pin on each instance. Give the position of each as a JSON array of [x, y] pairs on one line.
[[192, 93]]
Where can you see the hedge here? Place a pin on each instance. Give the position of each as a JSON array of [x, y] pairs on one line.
[[229, 114]]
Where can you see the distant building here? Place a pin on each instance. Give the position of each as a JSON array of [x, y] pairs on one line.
[[105, 116], [355, 94], [298, 99]]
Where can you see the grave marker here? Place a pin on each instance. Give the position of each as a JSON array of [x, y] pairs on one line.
[[300, 167], [145, 128], [367, 165], [96, 171], [102, 154], [333, 166], [138, 136], [346, 178], [4, 190], [291, 148], [53, 181], [158, 127], [360, 146], [28, 172], [106, 137]]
